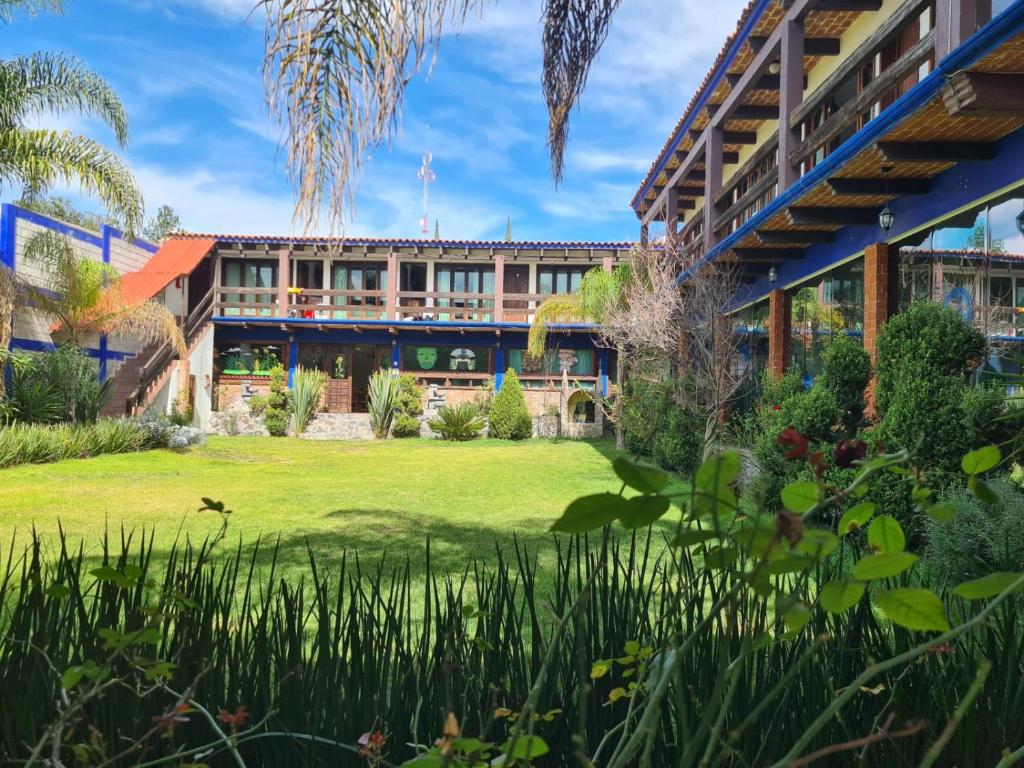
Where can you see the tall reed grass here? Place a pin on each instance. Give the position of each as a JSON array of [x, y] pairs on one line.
[[354, 647]]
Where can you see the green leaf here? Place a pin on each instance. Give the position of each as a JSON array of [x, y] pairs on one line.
[[886, 535], [942, 512], [856, 517], [818, 542], [471, 746], [790, 564], [839, 596], [721, 557], [71, 678], [981, 460], [642, 511], [800, 497], [719, 471], [106, 573], [525, 747], [693, 536], [632, 647], [641, 477], [590, 512], [430, 760], [715, 502], [58, 591], [883, 565], [757, 540], [912, 608], [986, 586], [982, 491], [796, 615]]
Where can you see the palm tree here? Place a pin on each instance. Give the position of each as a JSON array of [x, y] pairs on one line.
[[83, 297], [36, 158], [336, 73], [599, 295]]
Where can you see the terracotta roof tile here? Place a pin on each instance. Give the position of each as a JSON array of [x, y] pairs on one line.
[[176, 257], [395, 241]]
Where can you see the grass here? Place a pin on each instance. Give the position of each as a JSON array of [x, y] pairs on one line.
[[367, 498]]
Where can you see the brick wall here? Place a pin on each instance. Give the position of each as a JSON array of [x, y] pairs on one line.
[[877, 292], [779, 317]]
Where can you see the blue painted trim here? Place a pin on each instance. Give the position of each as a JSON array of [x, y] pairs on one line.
[[602, 371], [33, 345], [293, 361], [499, 367], [498, 245], [103, 357], [396, 355], [981, 42], [70, 230], [737, 43], [113, 233], [7, 232], [105, 232], [409, 324]]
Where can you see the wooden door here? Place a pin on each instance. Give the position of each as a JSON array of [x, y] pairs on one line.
[[517, 280]]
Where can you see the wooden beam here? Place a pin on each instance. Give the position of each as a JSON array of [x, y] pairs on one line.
[[697, 175], [795, 236], [739, 137], [757, 42], [850, 6], [879, 185], [755, 112], [839, 216], [730, 158], [984, 94], [821, 46], [936, 151], [767, 255]]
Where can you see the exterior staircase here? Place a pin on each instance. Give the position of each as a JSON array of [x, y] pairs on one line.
[[126, 380]]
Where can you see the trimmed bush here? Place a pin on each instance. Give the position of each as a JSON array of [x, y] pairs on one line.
[[639, 415], [460, 423], [277, 415], [677, 442], [846, 374], [410, 394], [406, 426], [929, 336], [815, 414], [656, 425], [509, 418]]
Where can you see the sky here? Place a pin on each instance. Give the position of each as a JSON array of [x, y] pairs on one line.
[[189, 73]]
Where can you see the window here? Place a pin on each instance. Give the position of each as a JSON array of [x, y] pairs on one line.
[[474, 283], [309, 274], [446, 359], [249, 359], [359, 278], [560, 279], [823, 307], [583, 362], [249, 274]]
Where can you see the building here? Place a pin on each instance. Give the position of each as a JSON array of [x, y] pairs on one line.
[[456, 314], [850, 156]]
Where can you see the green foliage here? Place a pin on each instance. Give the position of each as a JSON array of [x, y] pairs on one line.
[[258, 404], [43, 444], [815, 413], [278, 410], [62, 385], [509, 418], [846, 374], [926, 415], [656, 425], [410, 406], [932, 339], [458, 423], [677, 442], [382, 401], [307, 389], [162, 224]]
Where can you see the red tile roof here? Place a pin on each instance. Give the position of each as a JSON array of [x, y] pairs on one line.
[[177, 256], [396, 241]]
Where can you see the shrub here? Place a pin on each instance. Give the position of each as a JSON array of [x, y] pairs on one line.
[[776, 391], [846, 374], [307, 387], [640, 415], [410, 406], [677, 442], [483, 396], [510, 419], [258, 404], [277, 414], [459, 423], [933, 338], [382, 400], [815, 414]]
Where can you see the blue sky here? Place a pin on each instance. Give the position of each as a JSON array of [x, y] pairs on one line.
[[189, 72]]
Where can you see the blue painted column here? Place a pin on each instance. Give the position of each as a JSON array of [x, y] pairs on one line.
[[499, 366], [293, 360], [396, 356], [602, 371]]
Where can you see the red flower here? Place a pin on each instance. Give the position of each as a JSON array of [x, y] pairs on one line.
[[849, 451], [172, 717], [776, 407], [940, 648], [239, 718], [371, 744], [797, 443]]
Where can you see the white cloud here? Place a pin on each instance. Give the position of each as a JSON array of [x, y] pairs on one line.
[[590, 159], [597, 202]]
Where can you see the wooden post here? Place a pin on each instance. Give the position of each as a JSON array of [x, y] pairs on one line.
[[499, 287], [956, 20], [608, 263], [672, 212], [283, 275], [779, 331], [791, 93], [391, 311], [712, 184], [645, 233]]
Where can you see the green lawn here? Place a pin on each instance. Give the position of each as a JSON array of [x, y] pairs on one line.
[[365, 497]]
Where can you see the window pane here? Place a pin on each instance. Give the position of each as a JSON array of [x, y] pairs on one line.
[[1006, 237], [575, 283], [488, 282], [545, 281], [459, 282], [472, 281], [561, 283], [962, 233], [1000, 291]]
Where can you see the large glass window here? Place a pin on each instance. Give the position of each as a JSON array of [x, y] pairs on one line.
[[751, 328], [824, 307], [249, 274], [367, 282], [474, 283], [446, 359], [560, 279], [582, 362]]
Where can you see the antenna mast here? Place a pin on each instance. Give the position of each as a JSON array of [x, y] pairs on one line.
[[427, 176]]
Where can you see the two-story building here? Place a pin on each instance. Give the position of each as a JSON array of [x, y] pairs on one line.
[[848, 157]]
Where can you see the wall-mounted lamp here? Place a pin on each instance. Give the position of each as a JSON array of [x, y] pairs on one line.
[[773, 274], [1020, 222], [774, 68]]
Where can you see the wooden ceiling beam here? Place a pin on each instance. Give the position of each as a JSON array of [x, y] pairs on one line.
[[755, 112], [838, 216], [854, 6], [935, 151], [879, 185], [795, 236], [739, 137], [984, 94]]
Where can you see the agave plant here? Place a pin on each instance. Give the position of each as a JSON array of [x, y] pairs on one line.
[[307, 387], [459, 423], [382, 401]]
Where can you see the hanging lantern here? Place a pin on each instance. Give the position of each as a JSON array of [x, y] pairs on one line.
[[886, 218], [773, 274], [1020, 222]]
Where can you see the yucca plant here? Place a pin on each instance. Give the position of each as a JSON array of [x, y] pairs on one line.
[[458, 423], [307, 387], [382, 401]]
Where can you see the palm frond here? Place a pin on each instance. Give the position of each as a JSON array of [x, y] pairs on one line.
[[559, 308], [147, 321], [38, 158], [336, 73], [10, 8], [574, 31], [54, 82]]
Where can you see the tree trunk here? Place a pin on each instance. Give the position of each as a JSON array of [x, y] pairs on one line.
[[620, 432]]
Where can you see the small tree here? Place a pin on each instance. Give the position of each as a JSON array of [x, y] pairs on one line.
[[510, 418], [165, 222], [278, 413], [410, 407]]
